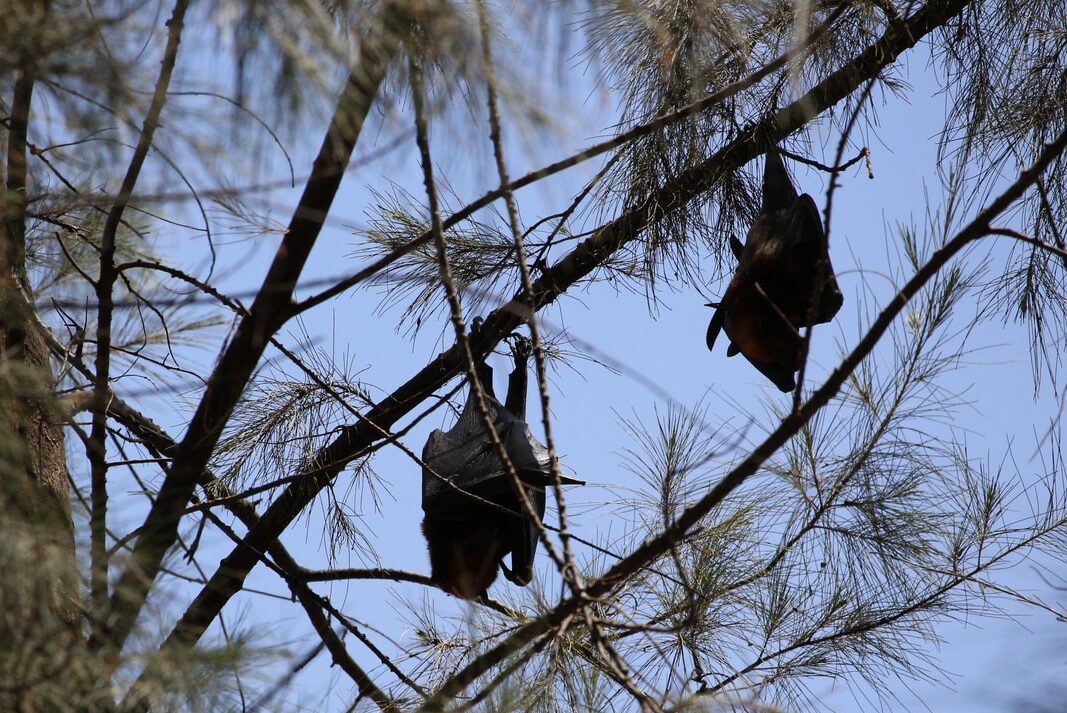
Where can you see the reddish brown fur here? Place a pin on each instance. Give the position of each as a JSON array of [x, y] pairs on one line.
[[769, 297], [463, 555]]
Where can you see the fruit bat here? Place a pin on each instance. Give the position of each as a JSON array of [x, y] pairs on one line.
[[769, 298], [466, 538]]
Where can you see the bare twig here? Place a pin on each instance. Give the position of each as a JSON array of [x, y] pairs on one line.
[[568, 570]]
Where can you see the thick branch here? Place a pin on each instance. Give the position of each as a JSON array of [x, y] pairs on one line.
[[267, 314], [655, 124], [356, 439]]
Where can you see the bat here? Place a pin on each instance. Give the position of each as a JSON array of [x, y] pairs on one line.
[[770, 295], [466, 538]]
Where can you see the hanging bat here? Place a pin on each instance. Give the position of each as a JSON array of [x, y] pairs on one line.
[[770, 296], [467, 539]]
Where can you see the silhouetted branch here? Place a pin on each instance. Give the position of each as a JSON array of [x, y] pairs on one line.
[[268, 312], [355, 440]]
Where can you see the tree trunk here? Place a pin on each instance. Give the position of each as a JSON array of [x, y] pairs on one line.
[[40, 639]]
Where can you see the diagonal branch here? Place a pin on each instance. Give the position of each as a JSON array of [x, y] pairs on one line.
[[293, 574], [356, 439], [158, 442], [651, 126], [267, 314]]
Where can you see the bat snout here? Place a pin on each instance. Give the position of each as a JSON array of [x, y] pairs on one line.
[[830, 302]]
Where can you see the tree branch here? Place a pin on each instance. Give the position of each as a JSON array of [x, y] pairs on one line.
[[636, 132], [356, 439], [104, 285], [267, 314]]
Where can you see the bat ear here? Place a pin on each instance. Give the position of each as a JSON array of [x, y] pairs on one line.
[[714, 327], [778, 190], [736, 247]]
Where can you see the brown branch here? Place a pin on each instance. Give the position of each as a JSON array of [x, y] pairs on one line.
[[159, 442], [268, 312], [336, 575], [1030, 240], [104, 286], [317, 608], [636, 132], [356, 439], [1046, 207]]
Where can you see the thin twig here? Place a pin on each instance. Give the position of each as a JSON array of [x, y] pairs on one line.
[[104, 286], [822, 265]]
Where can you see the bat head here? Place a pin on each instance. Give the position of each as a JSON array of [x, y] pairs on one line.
[[463, 554]]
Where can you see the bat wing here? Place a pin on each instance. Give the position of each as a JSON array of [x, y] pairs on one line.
[[463, 455], [778, 190], [529, 456], [760, 332], [804, 226], [521, 538]]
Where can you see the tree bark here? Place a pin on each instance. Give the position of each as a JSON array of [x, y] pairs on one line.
[[39, 608]]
